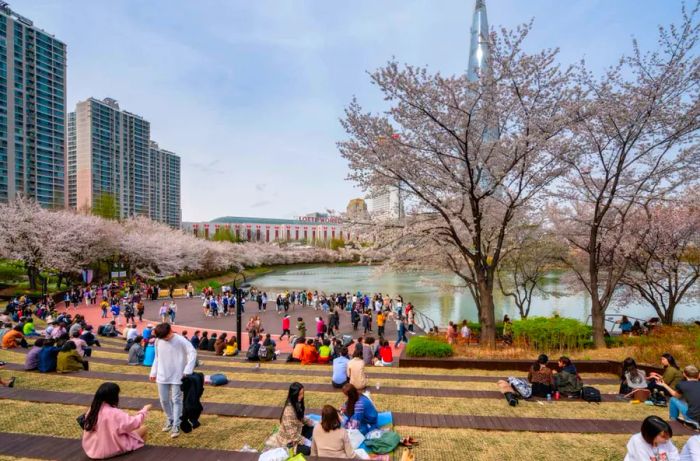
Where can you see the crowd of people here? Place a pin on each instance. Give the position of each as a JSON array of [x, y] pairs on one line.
[[66, 345]]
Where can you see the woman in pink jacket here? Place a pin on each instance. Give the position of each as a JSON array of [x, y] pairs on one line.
[[109, 431]]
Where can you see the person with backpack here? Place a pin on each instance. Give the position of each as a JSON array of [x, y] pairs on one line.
[[174, 358], [253, 354], [567, 380]]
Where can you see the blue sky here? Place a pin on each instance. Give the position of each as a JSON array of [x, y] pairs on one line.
[[249, 93]]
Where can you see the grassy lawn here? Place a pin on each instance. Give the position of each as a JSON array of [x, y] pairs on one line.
[[218, 432]]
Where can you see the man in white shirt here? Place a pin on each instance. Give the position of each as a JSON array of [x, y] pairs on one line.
[[174, 358], [131, 332]]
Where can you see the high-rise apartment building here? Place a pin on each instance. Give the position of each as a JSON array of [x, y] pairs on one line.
[[386, 203], [111, 158], [165, 186], [32, 111]]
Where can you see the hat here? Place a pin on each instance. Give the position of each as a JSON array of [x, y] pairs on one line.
[[150, 325]]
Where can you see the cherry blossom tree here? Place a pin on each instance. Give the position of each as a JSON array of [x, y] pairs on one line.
[[665, 268], [532, 254], [471, 157], [637, 143], [25, 229]]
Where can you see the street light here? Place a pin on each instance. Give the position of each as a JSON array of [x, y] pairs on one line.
[[239, 296]]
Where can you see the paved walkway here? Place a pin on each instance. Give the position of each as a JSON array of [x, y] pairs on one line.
[[190, 317]]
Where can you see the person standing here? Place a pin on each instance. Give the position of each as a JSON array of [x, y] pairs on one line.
[[286, 327], [401, 334], [172, 310], [174, 358]]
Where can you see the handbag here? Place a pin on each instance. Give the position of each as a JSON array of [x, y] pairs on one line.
[[81, 421]]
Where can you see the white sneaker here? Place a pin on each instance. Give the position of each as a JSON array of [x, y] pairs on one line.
[[168, 427], [174, 434]]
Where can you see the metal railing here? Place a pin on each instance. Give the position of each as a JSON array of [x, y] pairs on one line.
[[423, 322], [611, 322]]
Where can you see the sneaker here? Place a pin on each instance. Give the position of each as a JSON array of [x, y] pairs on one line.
[[168, 427], [174, 434]]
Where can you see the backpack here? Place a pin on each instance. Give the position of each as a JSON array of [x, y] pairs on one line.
[[521, 386], [218, 380], [590, 394], [263, 352]]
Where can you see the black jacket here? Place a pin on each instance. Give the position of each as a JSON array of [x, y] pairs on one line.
[[192, 389]]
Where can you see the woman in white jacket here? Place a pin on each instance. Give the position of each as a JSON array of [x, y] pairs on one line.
[[653, 442]]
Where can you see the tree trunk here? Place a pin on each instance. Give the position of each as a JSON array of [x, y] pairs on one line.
[[598, 321], [667, 318], [487, 314], [31, 275]]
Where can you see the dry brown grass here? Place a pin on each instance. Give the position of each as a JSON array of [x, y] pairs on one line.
[[217, 432], [314, 399]]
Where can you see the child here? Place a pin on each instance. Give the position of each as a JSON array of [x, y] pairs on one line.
[[301, 327]]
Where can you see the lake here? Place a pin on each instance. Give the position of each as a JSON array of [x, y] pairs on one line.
[[444, 306]]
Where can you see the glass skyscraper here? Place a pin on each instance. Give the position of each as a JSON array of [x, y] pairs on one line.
[[32, 111], [111, 157]]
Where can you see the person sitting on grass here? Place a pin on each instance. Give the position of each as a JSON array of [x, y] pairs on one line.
[[567, 381], [386, 355], [231, 347], [340, 369], [8, 383], [80, 345], [204, 341], [356, 371], [48, 356], [69, 360], [28, 329], [632, 378], [299, 344], [653, 442], [296, 430], [136, 352], [309, 354], [672, 375], [541, 377], [31, 362], [689, 392], [89, 337], [360, 411], [220, 344], [109, 431], [330, 439], [110, 330], [254, 350], [14, 338], [324, 352], [211, 343]]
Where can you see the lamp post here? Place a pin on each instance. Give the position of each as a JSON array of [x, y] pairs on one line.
[[239, 296]]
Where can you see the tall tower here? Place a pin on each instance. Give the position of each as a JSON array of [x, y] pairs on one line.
[[479, 51]]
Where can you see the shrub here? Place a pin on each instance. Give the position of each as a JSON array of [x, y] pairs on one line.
[[428, 346], [555, 333]]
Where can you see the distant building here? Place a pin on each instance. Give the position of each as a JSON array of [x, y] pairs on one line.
[[110, 153], [32, 111], [303, 229], [386, 203], [357, 210]]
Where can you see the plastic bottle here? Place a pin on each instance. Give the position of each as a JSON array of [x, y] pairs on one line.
[[549, 398], [557, 396]]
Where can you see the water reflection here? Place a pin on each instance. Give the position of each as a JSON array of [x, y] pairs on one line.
[[443, 306]]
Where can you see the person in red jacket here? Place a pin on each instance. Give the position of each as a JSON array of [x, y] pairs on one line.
[[285, 328], [386, 356], [309, 354]]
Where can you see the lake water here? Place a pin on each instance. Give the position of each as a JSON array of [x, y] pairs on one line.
[[441, 306]]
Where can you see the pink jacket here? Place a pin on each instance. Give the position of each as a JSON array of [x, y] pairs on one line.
[[114, 433]]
